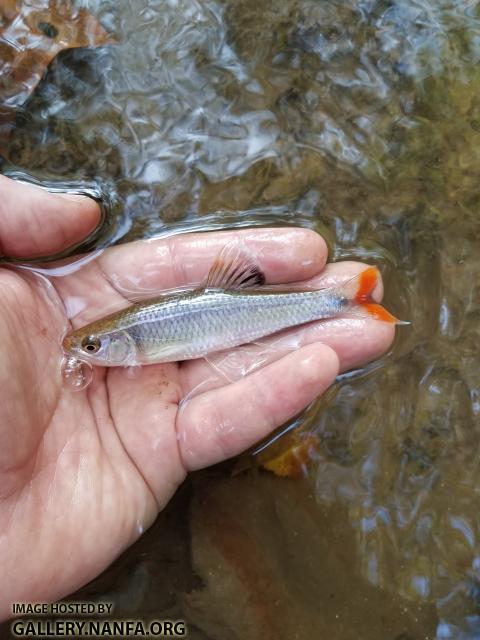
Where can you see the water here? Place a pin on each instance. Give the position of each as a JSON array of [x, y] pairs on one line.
[[360, 120]]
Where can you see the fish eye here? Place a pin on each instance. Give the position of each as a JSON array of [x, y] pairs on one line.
[[91, 344]]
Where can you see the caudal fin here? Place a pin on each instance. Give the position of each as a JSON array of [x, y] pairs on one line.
[[359, 290]]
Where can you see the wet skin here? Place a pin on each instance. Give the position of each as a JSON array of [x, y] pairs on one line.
[[83, 474]]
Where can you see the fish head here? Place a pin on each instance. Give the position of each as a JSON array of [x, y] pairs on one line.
[[112, 348]]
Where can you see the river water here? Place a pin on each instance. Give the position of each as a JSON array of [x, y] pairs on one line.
[[361, 120]]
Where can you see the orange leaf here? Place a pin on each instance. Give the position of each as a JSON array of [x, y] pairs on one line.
[[293, 460]]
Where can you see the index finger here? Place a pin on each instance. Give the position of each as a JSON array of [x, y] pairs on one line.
[[149, 266], [284, 254]]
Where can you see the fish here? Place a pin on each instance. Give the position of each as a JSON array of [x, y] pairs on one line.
[[231, 308]]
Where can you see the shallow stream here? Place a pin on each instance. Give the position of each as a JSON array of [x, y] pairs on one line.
[[361, 120]]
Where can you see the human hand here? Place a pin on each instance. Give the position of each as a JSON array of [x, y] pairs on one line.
[[83, 474]]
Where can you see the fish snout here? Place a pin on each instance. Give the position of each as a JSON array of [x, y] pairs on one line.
[[69, 343]]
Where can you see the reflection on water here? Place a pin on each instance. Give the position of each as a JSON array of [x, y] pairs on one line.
[[360, 119]]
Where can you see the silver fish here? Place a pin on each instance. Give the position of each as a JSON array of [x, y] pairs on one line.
[[232, 308]]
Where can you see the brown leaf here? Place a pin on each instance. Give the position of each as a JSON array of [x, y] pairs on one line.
[[8, 11], [31, 34]]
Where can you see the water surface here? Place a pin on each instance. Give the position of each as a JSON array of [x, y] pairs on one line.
[[360, 120]]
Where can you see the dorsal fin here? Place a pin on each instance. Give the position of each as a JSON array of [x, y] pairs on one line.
[[234, 268]]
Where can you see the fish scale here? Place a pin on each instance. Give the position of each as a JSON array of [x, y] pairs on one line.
[[213, 320]]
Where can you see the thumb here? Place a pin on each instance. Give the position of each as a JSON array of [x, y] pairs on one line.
[[34, 222]]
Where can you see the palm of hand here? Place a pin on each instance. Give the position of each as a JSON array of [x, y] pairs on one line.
[[72, 483], [83, 474], [108, 457]]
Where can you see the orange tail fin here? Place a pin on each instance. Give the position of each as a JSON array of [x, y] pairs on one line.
[[367, 281], [380, 313]]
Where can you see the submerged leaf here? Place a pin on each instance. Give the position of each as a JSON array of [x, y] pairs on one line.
[[31, 35], [293, 460]]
